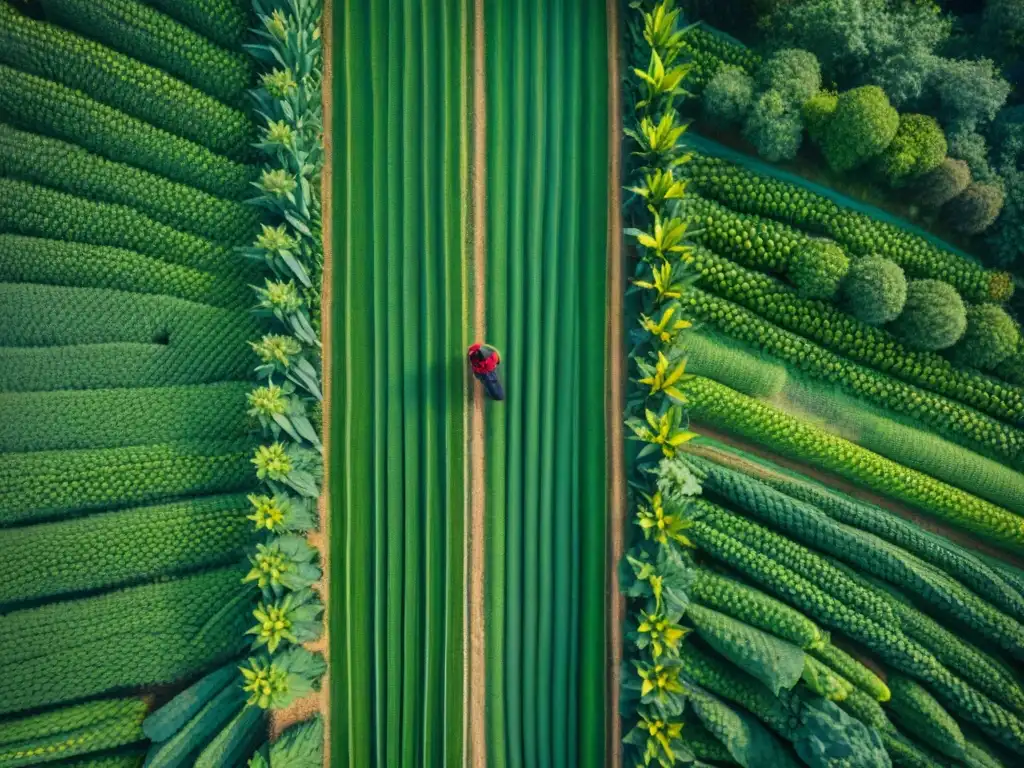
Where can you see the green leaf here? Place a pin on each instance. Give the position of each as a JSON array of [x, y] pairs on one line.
[[301, 746], [776, 663]]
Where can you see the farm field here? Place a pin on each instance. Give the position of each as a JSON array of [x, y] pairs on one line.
[[825, 535], [511, 383]]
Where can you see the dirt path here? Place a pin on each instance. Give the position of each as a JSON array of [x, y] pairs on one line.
[[475, 699], [321, 701]]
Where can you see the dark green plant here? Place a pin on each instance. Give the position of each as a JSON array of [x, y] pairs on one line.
[[794, 73], [918, 147], [775, 127], [728, 96], [991, 337], [817, 112], [875, 290], [817, 269], [975, 209], [933, 318], [940, 185], [862, 127]]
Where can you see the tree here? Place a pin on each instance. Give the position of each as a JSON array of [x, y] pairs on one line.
[[975, 209], [874, 290], [1004, 237], [937, 187], [728, 96], [774, 127], [991, 337], [817, 112], [853, 38], [817, 269], [967, 93], [933, 318], [792, 72], [918, 147], [971, 147], [863, 125]]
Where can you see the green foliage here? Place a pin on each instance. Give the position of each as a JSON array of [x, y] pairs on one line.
[[755, 608], [920, 715], [827, 733], [110, 418], [828, 326], [123, 547], [950, 558], [991, 337], [971, 147], [116, 339], [748, 192], [940, 185], [123, 83], [27, 209], [869, 554], [975, 209], [72, 169], [728, 96], [77, 265], [918, 147], [904, 753], [226, 22], [719, 407], [933, 317], [148, 635], [300, 746], [817, 269], [817, 112], [775, 662], [168, 720], [1002, 238], [862, 126], [42, 106], [718, 357], [863, 707], [875, 290], [146, 34], [968, 92], [198, 720], [824, 682], [793, 73], [955, 422], [851, 669], [64, 733], [54, 484], [774, 126]]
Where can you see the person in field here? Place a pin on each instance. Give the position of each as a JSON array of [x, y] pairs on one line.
[[484, 360]]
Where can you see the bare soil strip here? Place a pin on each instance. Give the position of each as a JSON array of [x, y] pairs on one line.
[[475, 707], [615, 402]]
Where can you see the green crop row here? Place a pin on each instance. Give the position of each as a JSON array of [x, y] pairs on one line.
[[748, 192], [78, 265], [147, 635], [823, 324], [954, 421], [70, 731], [73, 169], [137, 89], [111, 418], [722, 408], [226, 22], [27, 209], [146, 34], [36, 104], [54, 484], [113, 549]]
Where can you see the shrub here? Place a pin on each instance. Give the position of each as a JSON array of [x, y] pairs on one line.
[[817, 113], [728, 96], [817, 269], [844, 335], [918, 147], [774, 127], [792, 72], [863, 125], [991, 337], [975, 209], [875, 290], [971, 147], [944, 182], [933, 318]]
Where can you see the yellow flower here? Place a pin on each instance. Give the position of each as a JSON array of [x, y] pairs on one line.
[[276, 348], [276, 239], [278, 25], [279, 83], [661, 526], [659, 187], [663, 283], [272, 462], [667, 238], [267, 401], [664, 635], [661, 379], [278, 183], [664, 329], [263, 681], [268, 512], [663, 432], [659, 680]]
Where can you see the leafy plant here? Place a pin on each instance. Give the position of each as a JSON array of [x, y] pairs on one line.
[[863, 126], [933, 317], [874, 290]]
